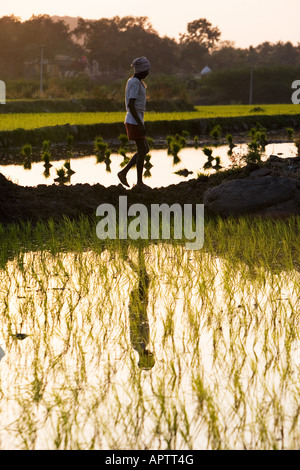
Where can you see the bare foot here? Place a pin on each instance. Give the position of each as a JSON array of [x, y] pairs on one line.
[[122, 178]]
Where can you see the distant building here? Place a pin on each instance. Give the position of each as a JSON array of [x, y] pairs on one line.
[[205, 71], [60, 66]]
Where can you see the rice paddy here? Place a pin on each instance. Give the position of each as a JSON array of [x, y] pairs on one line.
[[136, 345], [29, 121]]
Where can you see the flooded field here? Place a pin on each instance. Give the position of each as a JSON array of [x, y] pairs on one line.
[[153, 346], [161, 173]]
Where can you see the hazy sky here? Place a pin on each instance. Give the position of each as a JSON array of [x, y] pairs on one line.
[[245, 23]]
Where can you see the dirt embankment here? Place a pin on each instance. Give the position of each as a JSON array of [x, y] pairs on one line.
[[20, 203]]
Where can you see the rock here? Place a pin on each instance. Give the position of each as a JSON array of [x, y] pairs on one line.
[[261, 172], [275, 158], [268, 195]]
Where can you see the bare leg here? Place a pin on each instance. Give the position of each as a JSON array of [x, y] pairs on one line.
[[142, 150], [122, 174], [138, 159]]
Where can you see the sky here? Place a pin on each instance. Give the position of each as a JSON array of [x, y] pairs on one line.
[[244, 23]]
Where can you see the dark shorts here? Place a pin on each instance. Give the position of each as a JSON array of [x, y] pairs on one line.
[[133, 132]]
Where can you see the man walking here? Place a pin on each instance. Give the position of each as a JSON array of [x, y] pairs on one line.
[[135, 102]]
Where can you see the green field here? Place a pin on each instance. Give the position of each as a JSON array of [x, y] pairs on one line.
[[221, 368], [36, 120]]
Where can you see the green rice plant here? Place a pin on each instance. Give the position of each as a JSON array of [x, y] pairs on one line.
[[100, 148], [254, 153], [27, 153], [148, 165], [262, 139], [256, 146], [46, 146], [62, 175], [175, 148], [215, 133], [123, 138], [46, 156], [290, 132], [222, 322], [229, 138], [27, 150], [107, 160], [175, 144], [185, 134], [150, 142], [126, 159], [67, 166], [69, 140], [210, 158]]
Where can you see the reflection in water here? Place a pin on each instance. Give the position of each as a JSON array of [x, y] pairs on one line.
[[139, 324], [226, 348], [163, 172]]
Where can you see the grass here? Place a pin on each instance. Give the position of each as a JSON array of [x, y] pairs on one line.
[[37, 120], [224, 331]]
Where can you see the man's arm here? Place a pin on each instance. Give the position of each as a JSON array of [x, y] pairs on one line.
[[134, 113]]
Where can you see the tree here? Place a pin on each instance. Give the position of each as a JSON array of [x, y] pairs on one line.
[[22, 41], [202, 32], [54, 35], [115, 42], [11, 51]]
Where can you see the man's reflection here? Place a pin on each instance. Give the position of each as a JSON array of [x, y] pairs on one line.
[[139, 325]]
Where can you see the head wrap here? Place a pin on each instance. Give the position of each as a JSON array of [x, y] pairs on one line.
[[141, 64]]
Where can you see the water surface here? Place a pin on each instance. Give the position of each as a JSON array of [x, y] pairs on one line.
[[162, 173]]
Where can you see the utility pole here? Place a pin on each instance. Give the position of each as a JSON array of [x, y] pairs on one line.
[[251, 86], [42, 69], [251, 61]]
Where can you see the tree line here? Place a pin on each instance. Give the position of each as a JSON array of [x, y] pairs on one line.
[[114, 42]]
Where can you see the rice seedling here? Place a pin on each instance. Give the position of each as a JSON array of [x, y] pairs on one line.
[[46, 156], [69, 140], [150, 142], [290, 132], [123, 152], [46, 146], [27, 153], [210, 158], [216, 133], [183, 172], [100, 147], [175, 144], [256, 146], [62, 174], [123, 139], [231, 144], [67, 166]]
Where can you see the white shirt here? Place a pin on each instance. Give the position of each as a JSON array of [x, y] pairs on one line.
[[135, 89]]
